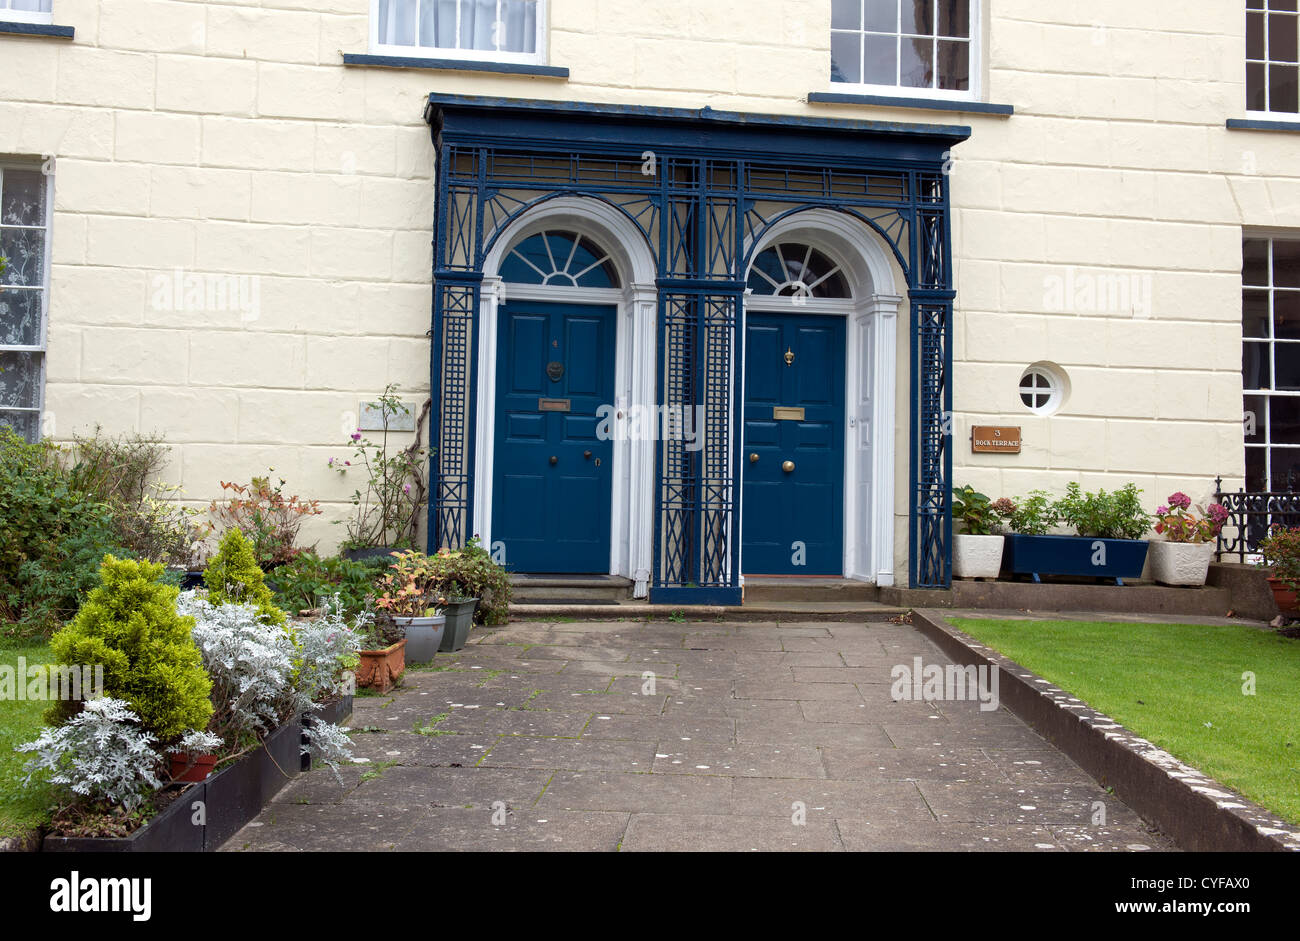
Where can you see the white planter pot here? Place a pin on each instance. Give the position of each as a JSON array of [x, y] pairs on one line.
[[1181, 563], [976, 556]]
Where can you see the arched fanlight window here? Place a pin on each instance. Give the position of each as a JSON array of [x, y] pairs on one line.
[[791, 269], [560, 258]]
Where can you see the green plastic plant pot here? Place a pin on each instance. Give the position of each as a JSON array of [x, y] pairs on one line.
[[460, 618]]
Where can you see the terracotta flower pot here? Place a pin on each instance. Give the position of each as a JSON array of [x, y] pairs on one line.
[[183, 770], [1287, 602], [380, 669]]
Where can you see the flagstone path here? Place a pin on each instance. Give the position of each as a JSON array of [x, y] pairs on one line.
[[690, 736]]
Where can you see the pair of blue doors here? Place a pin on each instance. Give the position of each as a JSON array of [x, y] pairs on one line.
[[553, 473]]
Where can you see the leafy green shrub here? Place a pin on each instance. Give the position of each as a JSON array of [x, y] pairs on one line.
[[234, 577], [974, 514], [52, 537], [308, 578], [1281, 550], [471, 573], [129, 625], [1033, 515], [1117, 515]]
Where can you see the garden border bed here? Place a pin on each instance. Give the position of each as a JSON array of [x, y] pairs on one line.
[[1195, 811], [231, 797]]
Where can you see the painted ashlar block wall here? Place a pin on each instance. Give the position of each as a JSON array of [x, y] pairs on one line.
[[229, 138]]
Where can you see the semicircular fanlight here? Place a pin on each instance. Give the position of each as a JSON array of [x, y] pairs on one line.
[[793, 269], [566, 259]]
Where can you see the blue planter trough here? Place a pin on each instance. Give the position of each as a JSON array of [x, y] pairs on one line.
[[1086, 556]]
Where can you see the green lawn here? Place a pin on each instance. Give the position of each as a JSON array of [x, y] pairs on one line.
[[21, 808], [1181, 687]]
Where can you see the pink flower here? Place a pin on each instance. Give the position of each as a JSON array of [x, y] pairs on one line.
[[1162, 511], [347, 463], [356, 436], [406, 488], [1218, 512], [1180, 500]]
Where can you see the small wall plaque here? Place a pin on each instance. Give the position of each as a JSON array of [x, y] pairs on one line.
[[372, 418], [787, 413], [995, 439], [553, 405]]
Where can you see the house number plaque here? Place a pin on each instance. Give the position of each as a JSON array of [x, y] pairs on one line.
[[994, 439]]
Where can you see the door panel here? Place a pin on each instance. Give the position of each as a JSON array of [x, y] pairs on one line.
[[552, 479], [793, 521]]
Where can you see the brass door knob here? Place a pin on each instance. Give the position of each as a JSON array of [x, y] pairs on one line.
[[554, 459], [788, 466], [753, 459]]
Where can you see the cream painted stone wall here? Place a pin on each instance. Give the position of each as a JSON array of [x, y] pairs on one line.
[[229, 139]]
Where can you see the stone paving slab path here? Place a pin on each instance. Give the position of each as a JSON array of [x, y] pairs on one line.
[[603, 736]]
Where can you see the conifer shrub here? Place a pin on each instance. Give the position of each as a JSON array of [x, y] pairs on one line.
[[130, 626], [234, 577]]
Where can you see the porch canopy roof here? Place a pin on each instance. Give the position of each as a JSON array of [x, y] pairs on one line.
[[470, 119]]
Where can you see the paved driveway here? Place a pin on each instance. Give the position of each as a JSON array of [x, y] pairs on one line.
[[690, 736]]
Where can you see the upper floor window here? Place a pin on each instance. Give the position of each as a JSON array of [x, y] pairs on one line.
[[24, 290], [491, 30], [1272, 56], [905, 46], [27, 11]]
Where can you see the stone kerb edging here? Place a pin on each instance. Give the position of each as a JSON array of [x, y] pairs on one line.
[[1195, 811]]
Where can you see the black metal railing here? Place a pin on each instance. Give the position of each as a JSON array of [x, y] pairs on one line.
[[1251, 514]]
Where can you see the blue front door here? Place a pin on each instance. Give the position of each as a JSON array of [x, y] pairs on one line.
[[552, 477], [793, 499]]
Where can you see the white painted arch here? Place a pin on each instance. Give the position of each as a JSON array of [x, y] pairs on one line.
[[632, 511], [870, 375]]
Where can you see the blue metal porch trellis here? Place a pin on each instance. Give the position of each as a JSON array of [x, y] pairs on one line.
[[702, 186]]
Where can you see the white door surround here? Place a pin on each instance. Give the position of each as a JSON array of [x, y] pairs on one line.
[[632, 512], [869, 377]]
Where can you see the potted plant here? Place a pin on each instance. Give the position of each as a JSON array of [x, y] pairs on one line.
[[389, 508], [459, 612], [1281, 551], [382, 657], [1183, 556], [977, 538], [1106, 541], [410, 597], [268, 519]]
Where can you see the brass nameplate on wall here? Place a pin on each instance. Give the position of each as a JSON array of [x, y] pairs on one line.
[[786, 413], [995, 439], [553, 405]]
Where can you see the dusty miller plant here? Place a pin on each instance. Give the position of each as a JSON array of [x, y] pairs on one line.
[[102, 754], [263, 674], [251, 665]]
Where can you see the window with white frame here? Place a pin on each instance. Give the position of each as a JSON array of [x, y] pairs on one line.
[[1272, 56], [27, 11], [905, 46], [491, 30], [24, 295], [1270, 362]]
